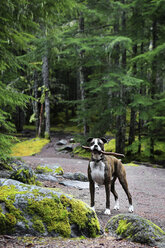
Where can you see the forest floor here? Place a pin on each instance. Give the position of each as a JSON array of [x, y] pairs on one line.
[[146, 185]]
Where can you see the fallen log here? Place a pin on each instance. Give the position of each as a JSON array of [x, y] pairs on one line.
[[105, 153]]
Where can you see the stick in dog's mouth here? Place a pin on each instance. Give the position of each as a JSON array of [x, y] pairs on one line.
[[105, 153], [96, 151]]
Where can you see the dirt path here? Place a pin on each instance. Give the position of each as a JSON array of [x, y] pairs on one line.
[[146, 185]]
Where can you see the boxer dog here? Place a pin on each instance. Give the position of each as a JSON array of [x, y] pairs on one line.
[[104, 170]]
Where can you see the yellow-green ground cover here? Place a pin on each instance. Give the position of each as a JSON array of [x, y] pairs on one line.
[[29, 147]]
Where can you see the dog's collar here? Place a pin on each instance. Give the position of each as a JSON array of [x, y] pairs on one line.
[[98, 160]]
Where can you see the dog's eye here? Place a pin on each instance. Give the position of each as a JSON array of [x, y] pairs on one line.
[[100, 143], [92, 143]]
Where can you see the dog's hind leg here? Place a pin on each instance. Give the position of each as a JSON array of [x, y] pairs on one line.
[[116, 207], [123, 181]]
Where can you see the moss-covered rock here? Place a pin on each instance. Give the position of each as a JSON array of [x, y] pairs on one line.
[[49, 169], [32, 210], [136, 229], [5, 166], [24, 174], [76, 176]]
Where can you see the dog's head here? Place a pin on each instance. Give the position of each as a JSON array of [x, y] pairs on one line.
[[97, 144]]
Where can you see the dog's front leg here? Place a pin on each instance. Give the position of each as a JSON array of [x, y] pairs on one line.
[[107, 191], [92, 194]]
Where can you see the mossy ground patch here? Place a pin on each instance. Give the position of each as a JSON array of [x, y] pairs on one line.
[[29, 147]]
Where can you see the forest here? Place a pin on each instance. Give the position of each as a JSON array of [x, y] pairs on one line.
[[96, 66]]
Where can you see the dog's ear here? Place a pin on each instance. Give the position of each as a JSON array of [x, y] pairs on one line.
[[89, 139], [104, 140]]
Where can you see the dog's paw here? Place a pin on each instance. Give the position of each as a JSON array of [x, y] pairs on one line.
[[131, 209], [93, 208], [116, 207], [107, 211]]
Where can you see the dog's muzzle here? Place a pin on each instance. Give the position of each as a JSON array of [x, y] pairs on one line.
[[96, 149]]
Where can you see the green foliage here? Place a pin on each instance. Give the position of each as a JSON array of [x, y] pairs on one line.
[[10, 98], [120, 50], [159, 146], [110, 146], [82, 153]]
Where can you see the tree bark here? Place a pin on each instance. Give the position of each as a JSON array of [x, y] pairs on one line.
[[133, 112], [121, 119], [35, 103], [153, 83], [121, 126], [45, 76], [81, 75], [19, 119], [142, 91], [40, 128], [132, 127]]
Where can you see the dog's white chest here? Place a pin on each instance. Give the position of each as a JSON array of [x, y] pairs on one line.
[[97, 172]]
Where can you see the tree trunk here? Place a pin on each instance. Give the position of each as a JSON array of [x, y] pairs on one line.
[[121, 125], [35, 103], [139, 134], [133, 112], [142, 91], [153, 83], [19, 119], [45, 76], [132, 127], [120, 134], [40, 128], [121, 119], [81, 75]]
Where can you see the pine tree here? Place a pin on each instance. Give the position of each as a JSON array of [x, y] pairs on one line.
[[19, 25]]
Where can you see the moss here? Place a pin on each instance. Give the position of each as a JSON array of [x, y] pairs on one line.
[[29, 147], [25, 175], [81, 214], [53, 214], [132, 164], [94, 227], [59, 171], [10, 218], [43, 169], [135, 228], [157, 229], [122, 227], [46, 169], [38, 183], [38, 225], [5, 166]]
